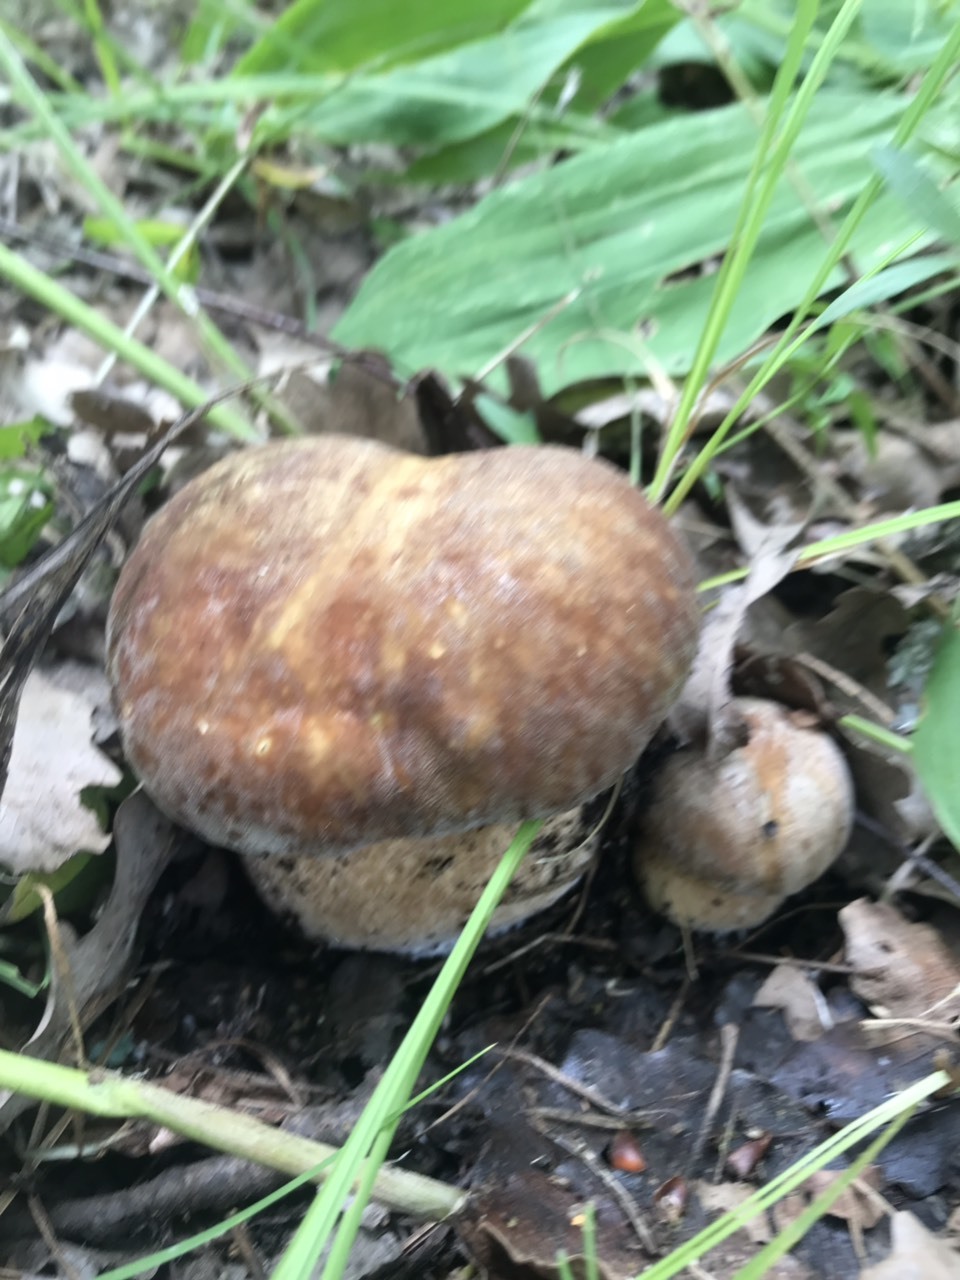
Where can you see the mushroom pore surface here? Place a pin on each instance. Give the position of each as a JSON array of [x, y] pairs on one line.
[[322, 643]]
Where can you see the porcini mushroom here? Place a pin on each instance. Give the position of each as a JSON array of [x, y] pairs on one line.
[[324, 644], [415, 895], [724, 842]]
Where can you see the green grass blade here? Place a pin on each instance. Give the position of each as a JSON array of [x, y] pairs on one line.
[[50, 293], [936, 740], [770, 157], [33, 99], [370, 1138], [791, 1178], [793, 1233], [944, 65]]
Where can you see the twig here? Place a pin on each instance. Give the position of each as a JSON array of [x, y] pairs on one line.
[[619, 1192], [729, 1035], [553, 1073]]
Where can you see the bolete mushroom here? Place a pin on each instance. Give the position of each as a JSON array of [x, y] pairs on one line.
[[415, 895], [724, 842], [325, 644]]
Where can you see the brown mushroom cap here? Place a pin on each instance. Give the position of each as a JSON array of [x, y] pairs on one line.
[[723, 844], [322, 643], [416, 895]]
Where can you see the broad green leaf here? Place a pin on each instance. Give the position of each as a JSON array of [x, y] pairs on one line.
[[11, 976], [633, 230], [614, 53], [511, 426], [936, 742], [25, 900], [913, 185], [470, 88], [906, 34], [343, 35], [594, 72], [504, 147]]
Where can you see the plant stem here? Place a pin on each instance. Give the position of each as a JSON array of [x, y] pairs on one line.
[[50, 293], [103, 1093]]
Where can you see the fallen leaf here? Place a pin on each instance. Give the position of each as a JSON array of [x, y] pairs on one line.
[[903, 970], [723, 1196], [915, 1254], [704, 703], [801, 1000], [853, 1205], [42, 820]]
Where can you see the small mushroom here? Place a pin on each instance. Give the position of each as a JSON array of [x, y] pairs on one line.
[[724, 843], [325, 645]]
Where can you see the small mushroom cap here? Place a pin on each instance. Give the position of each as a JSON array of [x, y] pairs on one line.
[[322, 643], [723, 844], [415, 895]]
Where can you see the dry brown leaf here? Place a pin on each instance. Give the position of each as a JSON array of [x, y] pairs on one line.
[[704, 703], [721, 1197], [42, 821], [915, 1254], [903, 970], [854, 1204], [801, 1000], [892, 472]]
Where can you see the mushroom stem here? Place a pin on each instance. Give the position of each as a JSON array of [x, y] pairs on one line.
[[104, 1093]]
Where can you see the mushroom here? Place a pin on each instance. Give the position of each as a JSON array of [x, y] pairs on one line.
[[724, 842], [415, 895], [325, 644]]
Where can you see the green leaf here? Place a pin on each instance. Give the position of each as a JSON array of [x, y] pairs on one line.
[[343, 35], [912, 183], [936, 742], [11, 976], [25, 900], [634, 229], [886, 284], [905, 34], [510, 426], [472, 87], [25, 507], [615, 52], [16, 438]]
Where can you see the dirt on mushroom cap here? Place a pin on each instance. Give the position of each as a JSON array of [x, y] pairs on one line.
[[324, 642]]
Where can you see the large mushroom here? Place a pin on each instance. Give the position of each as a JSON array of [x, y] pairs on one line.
[[323, 645]]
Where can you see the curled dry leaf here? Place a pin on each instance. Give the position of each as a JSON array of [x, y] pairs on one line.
[[854, 1204], [743, 1160], [42, 820], [723, 1197], [904, 970], [704, 707], [804, 1008]]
